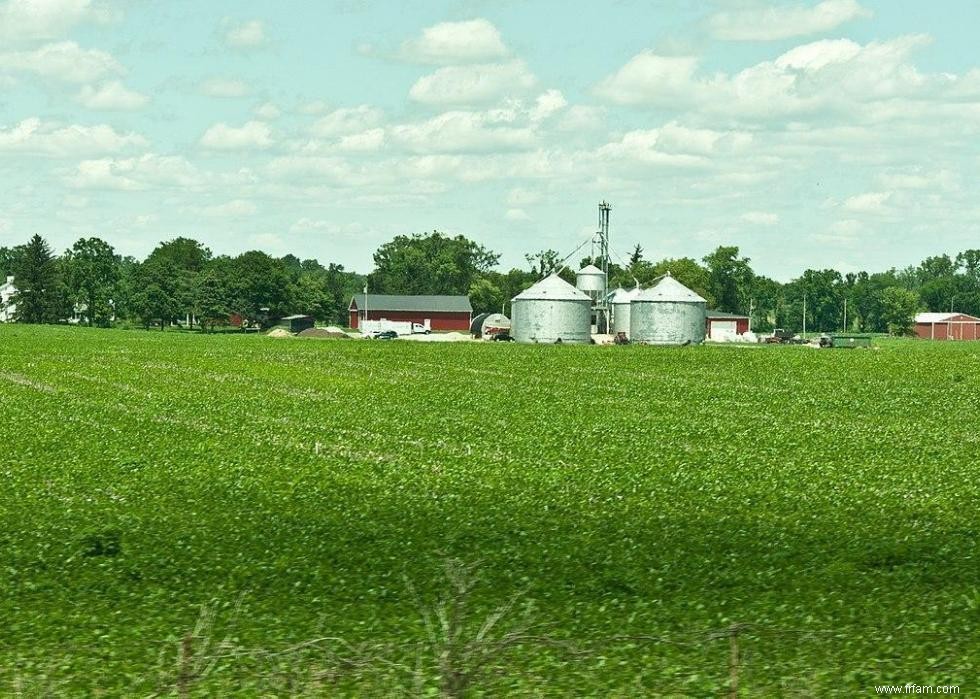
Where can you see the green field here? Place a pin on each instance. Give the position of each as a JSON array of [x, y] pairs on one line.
[[298, 503]]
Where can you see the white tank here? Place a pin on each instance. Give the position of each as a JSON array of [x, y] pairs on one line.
[[551, 310], [619, 304], [590, 279], [668, 314]]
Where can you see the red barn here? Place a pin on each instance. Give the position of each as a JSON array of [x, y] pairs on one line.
[[719, 322], [947, 326], [434, 312]]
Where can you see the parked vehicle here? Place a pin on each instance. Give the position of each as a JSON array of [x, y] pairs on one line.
[[385, 335], [503, 337], [402, 327]]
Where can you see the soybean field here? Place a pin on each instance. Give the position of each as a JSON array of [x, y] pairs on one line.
[[235, 515]]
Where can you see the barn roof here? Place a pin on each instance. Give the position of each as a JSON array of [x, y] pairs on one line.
[[725, 314], [396, 302], [942, 317]]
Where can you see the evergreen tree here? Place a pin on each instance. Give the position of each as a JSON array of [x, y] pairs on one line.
[[40, 296]]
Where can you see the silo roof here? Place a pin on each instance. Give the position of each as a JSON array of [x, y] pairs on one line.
[[622, 295], [669, 289], [552, 288], [590, 269]]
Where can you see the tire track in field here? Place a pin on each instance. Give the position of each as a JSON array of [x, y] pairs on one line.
[[21, 380]]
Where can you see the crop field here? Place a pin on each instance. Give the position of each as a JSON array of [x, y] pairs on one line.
[[237, 515]]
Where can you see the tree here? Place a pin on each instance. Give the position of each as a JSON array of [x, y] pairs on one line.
[[485, 296], [212, 297], [637, 255], [545, 262], [259, 282], [898, 309], [429, 264], [187, 258], [154, 298], [685, 270], [92, 274], [730, 279], [41, 295]]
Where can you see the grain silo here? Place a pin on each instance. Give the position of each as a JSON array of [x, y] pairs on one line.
[[667, 314], [619, 303], [552, 310]]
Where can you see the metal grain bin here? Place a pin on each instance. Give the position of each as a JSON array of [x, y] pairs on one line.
[[619, 302], [668, 314], [591, 280], [551, 310]]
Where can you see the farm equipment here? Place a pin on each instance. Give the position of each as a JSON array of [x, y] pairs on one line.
[[784, 337], [846, 341]]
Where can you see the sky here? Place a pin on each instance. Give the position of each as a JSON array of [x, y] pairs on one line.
[[829, 133]]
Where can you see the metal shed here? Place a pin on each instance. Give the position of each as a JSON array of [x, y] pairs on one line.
[[297, 323], [550, 311]]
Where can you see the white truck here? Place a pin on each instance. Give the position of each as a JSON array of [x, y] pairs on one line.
[[401, 327]]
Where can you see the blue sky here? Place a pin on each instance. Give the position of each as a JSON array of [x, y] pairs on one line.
[[839, 133]]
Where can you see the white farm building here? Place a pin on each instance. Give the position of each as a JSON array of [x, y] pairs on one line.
[[7, 309]]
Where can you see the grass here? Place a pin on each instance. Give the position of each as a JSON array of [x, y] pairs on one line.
[[307, 507]]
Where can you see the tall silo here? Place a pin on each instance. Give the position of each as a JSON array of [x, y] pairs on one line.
[[668, 314], [620, 302], [551, 310]]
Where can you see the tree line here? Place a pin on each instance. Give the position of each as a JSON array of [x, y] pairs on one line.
[[181, 281]]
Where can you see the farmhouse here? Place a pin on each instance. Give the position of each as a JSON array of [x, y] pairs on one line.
[[722, 323], [947, 326], [7, 309], [434, 312]]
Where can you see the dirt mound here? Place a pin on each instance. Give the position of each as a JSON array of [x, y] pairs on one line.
[[279, 332], [323, 332]]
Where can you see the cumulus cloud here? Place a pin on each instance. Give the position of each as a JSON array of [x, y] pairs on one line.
[[347, 120], [473, 84], [65, 61], [828, 75], [365, 141], [472, 41], [252, 134], [868, 203], [148, 171], [516, 215], [47, 138], [462, 131], [268, 111], [111, 96], [547, 104], [247, 35], [768, 23], [34, 20], [224, 87]]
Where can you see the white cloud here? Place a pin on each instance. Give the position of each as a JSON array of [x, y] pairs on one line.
[[473, 41], [268, 111], [473, 84], [250, 34], [547, 104], [34, 20], [460, 131], [581, 118], [917, 179], [518, 197], [65, 61], [761, 218], [128, 174], [871, 202], [224, 87], [236, 208], [370, 140], [816, 78], [111, 96], [252, 134], [768, 23], [35, 136], [516, 215], [347, 120]]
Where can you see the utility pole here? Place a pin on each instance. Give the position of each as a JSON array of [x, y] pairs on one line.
[[845, 314], [804, 316], [751, 308]]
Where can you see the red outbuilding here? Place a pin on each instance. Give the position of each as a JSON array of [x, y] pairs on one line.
[[434, 312], [947, 326], [719, 323]]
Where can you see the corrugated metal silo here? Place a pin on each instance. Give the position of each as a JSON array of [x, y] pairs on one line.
[[667, 314], [551, 310], [591, 280], [620, 302]]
